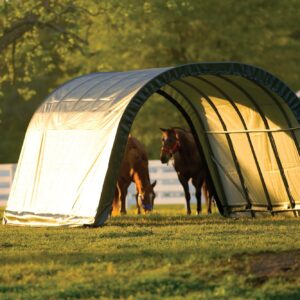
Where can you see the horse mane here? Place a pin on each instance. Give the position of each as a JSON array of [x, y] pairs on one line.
[[184, 134], [133, 143], [180, 128], [187, 139]]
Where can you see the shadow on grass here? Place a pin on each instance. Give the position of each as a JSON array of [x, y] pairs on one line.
[[158, 220], [290, 295], [147, 288], [120, 254]]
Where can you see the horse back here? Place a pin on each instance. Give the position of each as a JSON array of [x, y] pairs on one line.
[[137, 147], [135, 158], [189, 160]]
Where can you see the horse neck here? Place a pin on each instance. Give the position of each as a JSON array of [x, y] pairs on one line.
[[141, 176], [187, 145], [187, 157]]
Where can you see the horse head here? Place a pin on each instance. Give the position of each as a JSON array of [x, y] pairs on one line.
[[146, 198], [170, 144]]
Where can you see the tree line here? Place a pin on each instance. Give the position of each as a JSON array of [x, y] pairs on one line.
[[43, 43]]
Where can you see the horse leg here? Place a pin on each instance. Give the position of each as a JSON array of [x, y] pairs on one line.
[[207, 197], [207, 186], [137, 203], [115, 210], [123, 202], [196, 181], [123, 187], [185, 185]]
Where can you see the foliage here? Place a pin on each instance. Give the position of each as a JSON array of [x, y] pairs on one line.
[[164, 255], [156, 113], [35, 39], [44, 43]]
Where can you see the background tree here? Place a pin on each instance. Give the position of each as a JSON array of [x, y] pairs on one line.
[[35, 39], [44, 43]]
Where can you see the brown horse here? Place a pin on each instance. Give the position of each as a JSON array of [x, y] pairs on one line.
[[179, 145], [134, 168]]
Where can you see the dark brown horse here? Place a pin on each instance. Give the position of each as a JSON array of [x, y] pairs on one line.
[[134, 168], [179, 146]]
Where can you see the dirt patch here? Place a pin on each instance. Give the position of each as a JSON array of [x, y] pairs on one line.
[[270, 264], [274, 264]]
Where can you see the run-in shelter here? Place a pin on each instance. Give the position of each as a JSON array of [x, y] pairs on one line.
[[245, 119]]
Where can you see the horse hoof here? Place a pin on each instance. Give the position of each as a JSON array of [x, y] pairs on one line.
[[198, 212]]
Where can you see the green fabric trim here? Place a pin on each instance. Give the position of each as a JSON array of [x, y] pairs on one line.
[[252, 73]]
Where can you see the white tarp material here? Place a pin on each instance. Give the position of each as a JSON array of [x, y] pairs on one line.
[[63, 176], [67, 147], [258, 136]]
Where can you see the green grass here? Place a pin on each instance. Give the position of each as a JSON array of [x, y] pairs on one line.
[[164, 255]]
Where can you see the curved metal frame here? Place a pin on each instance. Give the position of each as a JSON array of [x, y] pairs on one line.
[[270, 136], [229, 141], [156, 83], [189, 121], [229, 99], [282, 110]]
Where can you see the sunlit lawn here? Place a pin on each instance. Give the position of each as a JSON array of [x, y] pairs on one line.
[[166, 255]]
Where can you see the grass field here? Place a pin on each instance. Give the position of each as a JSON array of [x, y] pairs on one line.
[[166, 255]]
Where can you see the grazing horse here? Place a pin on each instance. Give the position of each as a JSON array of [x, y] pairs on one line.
[[179, 145], [134, 168]]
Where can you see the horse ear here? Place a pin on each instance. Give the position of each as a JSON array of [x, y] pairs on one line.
[[163, 129], [153, 184]]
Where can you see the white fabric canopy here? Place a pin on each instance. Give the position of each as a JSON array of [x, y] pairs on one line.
[[74, 143]]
